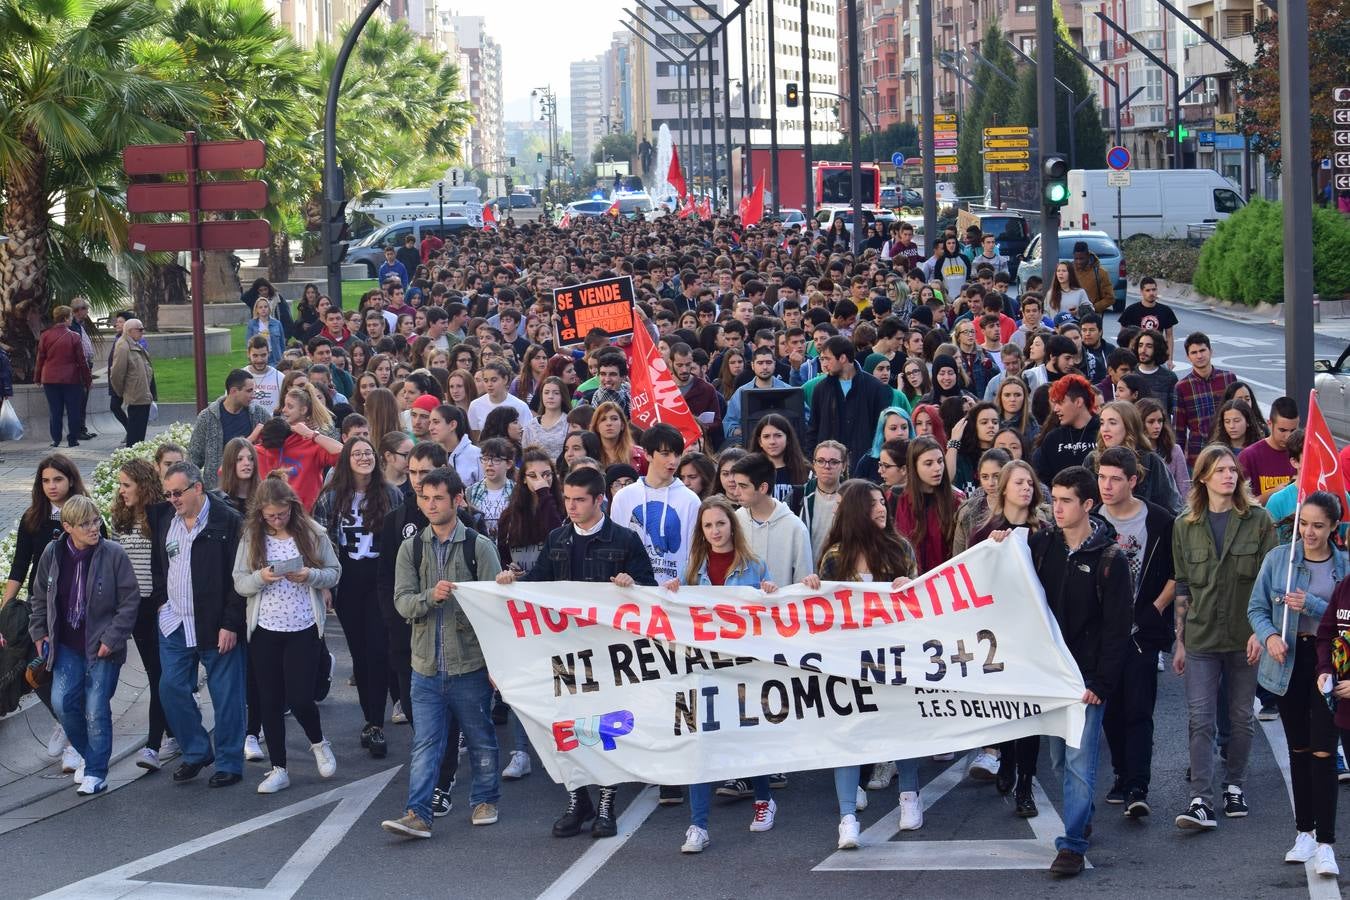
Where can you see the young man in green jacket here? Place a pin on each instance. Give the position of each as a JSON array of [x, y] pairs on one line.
[[449, 674], [1218, 544]]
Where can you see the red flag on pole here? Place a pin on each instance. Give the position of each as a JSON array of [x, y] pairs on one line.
[[675, 176], [705, 209], [655, 395], [1321, 467], [566, 220], [613, 208], [688, 209], [489, 218], [752, 210]]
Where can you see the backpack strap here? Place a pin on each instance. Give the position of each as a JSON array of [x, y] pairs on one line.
[[471, 553]]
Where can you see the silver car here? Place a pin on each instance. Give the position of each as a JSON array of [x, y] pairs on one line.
[[1332, 381]]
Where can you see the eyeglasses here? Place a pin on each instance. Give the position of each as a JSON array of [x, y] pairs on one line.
[[886, 467], [363, 454], [400, 455], [828, 463], [495, 459], [174, 495], [91, 525], [277, 517]]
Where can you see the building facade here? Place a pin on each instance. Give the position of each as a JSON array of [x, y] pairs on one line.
[[482, 75], [587, 91], [314, 21]]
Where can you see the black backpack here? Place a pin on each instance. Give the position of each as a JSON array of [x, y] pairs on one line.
[[15, 655], [469, 549]]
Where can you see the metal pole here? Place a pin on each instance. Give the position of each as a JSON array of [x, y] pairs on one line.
[[808, 184], [330, 161], [698, 94], [773, 109], [746, 175], [1047, 129], [440, 203], [197, 273], [1296, 187], [855, 142], [926, 134], [712, 121], [726, 117], [1073, 144]]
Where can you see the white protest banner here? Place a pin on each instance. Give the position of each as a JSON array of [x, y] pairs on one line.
[[639, 684]]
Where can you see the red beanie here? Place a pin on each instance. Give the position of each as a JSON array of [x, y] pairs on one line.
[[426, 402]]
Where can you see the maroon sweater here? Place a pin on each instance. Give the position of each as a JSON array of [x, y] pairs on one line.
[[1335, 621]]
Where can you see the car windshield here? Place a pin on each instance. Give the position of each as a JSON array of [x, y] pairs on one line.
[[635, 204], [1002, 227]]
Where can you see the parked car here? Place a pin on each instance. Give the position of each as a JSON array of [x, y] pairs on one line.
[[587, 208], [515, 201], [1099, 243], [826, 215], [1332, 381], [369, 251]]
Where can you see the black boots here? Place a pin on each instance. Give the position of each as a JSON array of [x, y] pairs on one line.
[[604, 825], [1026, 805], [579, 811]]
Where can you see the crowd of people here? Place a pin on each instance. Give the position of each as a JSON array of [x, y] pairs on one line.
[[367, 461]]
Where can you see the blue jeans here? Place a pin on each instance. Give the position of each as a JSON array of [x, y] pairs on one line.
[[67, 400], [224, 679], [82, 693], [468, 698], [846, 784], [1079, 768], [700, 798]]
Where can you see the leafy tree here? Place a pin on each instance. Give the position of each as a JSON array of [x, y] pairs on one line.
[[994, 103], [1258, 84], [619, 147], [1090, 139], [77, 82], [901, 137]]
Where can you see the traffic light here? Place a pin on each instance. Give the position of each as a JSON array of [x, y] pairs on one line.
[[1055, 182], [539, 157], [336, 232], [509, 185], [792, 97], [512, 161], [1185, 132], [454, 177]]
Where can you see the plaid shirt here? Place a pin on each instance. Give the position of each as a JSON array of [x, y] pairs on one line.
[[1198, 399]]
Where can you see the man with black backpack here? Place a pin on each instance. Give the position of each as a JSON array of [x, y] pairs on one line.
[[1087, 587], [449, 673]]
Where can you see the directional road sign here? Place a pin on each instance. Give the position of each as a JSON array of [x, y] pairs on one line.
[[1343, 160], [1342, 115], [1006, 155], [243, 234], [157, 159], [897, 159], [1342, 138], [212, 196], [1007, 131], [1007, 167], [1007, 143], [1343, 182], [1341, 94]]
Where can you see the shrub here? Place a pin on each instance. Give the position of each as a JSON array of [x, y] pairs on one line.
[[1244, 261], [1173, 260]]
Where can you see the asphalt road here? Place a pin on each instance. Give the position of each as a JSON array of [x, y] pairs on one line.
[[322, 839]]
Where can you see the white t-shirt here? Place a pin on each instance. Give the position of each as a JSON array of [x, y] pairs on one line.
[[665, 519], [481, 406], [266, 388]]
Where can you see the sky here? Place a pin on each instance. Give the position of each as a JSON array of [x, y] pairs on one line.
[[540, 39]]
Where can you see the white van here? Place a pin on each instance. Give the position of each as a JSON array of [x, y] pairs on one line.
[[1159, 203]]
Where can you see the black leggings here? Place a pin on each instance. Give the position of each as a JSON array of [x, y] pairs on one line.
[[1309, 729], [285, 663], [146, 635], [368, 643], [1021, 754]]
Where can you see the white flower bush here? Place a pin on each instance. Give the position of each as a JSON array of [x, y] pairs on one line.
[[102, 483]]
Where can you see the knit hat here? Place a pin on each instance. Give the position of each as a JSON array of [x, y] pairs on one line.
[[426, 402], [944, 361], [873, 359], [620, 470]]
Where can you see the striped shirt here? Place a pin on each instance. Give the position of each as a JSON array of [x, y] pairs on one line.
[[178, 609], [140, 550]]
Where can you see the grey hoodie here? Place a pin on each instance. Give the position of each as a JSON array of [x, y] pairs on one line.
[[783, 544]]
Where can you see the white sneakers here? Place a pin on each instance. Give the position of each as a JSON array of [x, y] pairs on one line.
[[696, 840], [861, 802], [984, 767], [1325, 861], [848, 833], [252, 749], [518, 767], [398, 716], [323, 755], [57, 742], [90, 786], [276, 780], [70, 760], [765, 811], [168, 749], [149, 760], [79, 773], [883, 773], [911, 811], [1304, 849]]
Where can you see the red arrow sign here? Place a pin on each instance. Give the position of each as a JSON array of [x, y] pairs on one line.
[[212, 196], [241, 235], [162, 159]]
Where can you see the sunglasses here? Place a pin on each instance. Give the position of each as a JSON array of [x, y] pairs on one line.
[[174, 495]]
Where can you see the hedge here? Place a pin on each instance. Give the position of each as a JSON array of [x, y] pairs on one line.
[[1244, 261], [1172, 260]]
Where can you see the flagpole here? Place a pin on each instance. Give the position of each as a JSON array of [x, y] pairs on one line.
[[1289, 570]]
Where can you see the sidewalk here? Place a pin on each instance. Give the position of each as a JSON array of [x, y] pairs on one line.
[[1175, 293]]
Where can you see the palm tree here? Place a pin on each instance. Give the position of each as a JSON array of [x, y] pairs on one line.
[[78, 80]]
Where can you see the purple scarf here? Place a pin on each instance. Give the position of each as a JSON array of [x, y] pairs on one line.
[[79, 592]]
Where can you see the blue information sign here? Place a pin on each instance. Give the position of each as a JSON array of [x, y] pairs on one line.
[[897, 159]]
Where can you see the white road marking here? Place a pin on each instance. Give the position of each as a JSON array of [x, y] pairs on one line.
[[581, 871], [880, 853], [352, 800], [1319, 886]]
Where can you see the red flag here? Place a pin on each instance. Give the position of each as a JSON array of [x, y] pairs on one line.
[[688, 209], [752, 210], [675, 176], [655, 395], [613, 208], [1321, 468], [705, 209], [566, 220], [489, 217]]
